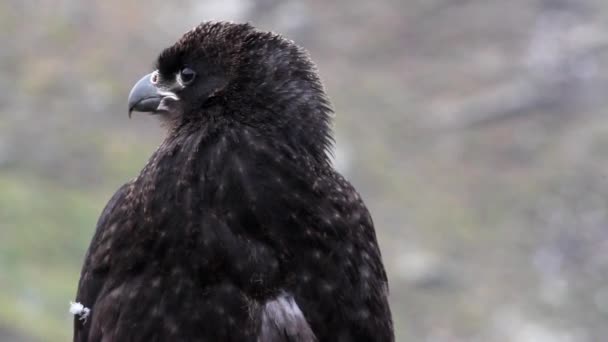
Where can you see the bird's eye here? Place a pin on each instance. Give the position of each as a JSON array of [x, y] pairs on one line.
[[186, 76], [154, 77]]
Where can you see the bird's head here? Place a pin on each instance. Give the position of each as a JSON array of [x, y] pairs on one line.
[[232, 75]]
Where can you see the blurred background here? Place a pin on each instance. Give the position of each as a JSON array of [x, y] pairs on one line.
[[476, 131]]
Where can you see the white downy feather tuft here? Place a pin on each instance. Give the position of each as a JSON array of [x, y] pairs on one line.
[[80, 310]]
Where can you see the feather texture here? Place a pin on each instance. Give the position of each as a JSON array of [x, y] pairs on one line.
[[238, 228]]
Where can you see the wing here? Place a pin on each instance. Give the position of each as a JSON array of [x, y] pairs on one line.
[[340, 286], [323, 237], [97, 264], [283, 321], [354, 269]]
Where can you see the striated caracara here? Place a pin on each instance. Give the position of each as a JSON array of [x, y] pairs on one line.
[[238, 228]]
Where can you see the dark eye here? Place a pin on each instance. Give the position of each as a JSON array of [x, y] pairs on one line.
[[154, 77], [187, 75]]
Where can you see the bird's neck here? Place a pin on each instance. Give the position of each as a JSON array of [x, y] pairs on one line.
[[210, 169]]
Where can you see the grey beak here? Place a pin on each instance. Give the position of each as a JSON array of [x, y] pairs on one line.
[[145, 96]]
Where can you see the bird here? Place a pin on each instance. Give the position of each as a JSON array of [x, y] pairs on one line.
[[238, 228]]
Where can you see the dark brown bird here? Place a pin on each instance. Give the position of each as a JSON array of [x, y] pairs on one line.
[[238, 228]]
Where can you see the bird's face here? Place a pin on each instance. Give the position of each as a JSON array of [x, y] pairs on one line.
[[221, 73], [172, 94], [188, 75], [151, 95]]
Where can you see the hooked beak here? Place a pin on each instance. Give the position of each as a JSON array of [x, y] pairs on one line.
[[147, 97]]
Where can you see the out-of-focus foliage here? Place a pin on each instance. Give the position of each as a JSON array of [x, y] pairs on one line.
[[474, 129]]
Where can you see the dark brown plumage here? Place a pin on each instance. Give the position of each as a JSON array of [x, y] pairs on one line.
[[238, 228]]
